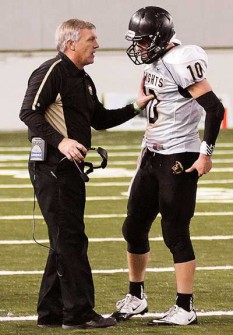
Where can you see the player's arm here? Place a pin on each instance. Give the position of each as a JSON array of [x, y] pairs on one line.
[[214, 109], [203, 94]]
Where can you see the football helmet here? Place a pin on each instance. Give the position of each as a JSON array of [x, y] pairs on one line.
[[150, 29]]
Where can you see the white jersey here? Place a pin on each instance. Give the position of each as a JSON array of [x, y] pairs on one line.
[[173, 115]]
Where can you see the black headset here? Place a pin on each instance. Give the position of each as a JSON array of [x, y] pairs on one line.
[[84, 174]]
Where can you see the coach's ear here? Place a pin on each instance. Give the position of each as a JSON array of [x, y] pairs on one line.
[[70, 45]]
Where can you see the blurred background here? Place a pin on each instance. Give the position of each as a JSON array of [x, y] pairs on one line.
[[27, 39]]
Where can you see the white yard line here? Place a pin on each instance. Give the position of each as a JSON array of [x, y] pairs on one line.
[[93, 184], [116, 183], [104, 216], [146, 315], [110, 172], [108, 147], [111, 271], [24, 157], [102, 198], [13, 186], [216, 181], [204, 195], [117, 198], [119, 239], [112, 163]]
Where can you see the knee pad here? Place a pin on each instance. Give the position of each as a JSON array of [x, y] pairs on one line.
[[182, 251], [137, 240], [179, 243]]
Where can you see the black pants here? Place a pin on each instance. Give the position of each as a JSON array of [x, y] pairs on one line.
[[67, 291], [155, 189]]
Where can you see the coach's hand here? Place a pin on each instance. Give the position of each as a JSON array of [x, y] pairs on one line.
[[142, 98], [72, 149]]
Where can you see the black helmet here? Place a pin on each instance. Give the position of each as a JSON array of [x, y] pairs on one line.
[[151, 24]]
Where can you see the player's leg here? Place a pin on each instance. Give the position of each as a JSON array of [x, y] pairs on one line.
[[185, 276], [177, 204], [137, 266], [142, 210]]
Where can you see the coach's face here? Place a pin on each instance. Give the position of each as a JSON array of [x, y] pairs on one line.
[[84, 48]]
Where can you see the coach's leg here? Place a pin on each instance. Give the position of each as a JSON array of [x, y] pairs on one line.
[[50, 306], [77, 287]]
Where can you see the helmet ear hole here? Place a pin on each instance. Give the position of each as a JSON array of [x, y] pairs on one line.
[[153, 24]]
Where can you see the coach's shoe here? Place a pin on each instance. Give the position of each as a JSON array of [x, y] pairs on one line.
[[130, 306], [97, 322], [175, 316]]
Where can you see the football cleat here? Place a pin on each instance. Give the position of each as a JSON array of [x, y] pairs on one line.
[[130, 306], [175, 316]]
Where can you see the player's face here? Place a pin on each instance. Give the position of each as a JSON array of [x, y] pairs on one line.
[[85, 47], [142, 47]]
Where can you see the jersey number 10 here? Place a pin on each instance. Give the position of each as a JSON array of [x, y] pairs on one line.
[[196, 71]]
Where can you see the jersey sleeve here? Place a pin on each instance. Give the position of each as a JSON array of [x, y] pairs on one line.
[[187, 65]]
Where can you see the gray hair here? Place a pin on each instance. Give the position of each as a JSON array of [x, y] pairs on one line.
[[69, 30]]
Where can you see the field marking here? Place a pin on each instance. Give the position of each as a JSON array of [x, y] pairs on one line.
[[101, 198], [115, 163], [204, 195], [104, 216], [111, 271], [107, 173], [24, 157], [216, 181], [120, 239], [9, 186], [117, 183], [146, 315], [201, 313], [117, 198]]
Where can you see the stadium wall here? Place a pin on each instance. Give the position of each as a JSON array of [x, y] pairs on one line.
[[116, 77], [30, 24], [27, 39]]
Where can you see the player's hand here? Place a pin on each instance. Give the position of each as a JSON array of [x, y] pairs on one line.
[[203, 165], [72, 149], [142, 98]]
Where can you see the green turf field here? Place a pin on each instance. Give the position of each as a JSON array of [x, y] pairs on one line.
[[22, 261]]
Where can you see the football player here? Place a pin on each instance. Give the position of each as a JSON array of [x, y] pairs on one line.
[[172, 160]]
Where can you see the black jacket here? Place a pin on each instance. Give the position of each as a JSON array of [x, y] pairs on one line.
[[61, 101]]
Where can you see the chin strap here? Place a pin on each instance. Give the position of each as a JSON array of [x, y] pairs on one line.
[[103, 154]]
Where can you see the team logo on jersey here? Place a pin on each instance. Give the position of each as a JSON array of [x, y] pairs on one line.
[[177, 168], [153, 79], [90, 90]]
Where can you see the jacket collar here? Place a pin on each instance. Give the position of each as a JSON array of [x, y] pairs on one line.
[[72, 68]]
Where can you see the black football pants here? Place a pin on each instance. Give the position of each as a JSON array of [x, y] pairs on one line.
[[67, 292], [157, 189]]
